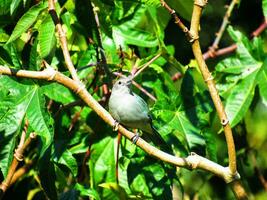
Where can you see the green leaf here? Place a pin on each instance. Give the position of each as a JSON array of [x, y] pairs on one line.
[[47, 175], [264, 8], [102, 165], [39, 119], [240, 75], [183, 8], [182, 116], [14, 55], [13, 106], [26, 21], [31, 102], [67, 159], [262, 82], [137, 31], [211, 145], [4, 6], [47, 39], [58, 93], [117, 189], [14, 5], [88, 192], [35, 60]]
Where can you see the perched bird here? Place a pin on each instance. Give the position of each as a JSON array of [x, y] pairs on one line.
[[130, 110]]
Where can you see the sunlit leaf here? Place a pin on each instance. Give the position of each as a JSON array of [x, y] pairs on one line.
[[58, 93], [264, 8], [26, 21], [47, 39], [14, 5], [84, 191]]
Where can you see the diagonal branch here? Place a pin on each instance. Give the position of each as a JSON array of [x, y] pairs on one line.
[[193, 161]]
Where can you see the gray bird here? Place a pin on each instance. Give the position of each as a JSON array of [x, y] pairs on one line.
[[130, 110]]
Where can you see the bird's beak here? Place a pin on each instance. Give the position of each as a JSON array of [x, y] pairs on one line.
[[129, 82]]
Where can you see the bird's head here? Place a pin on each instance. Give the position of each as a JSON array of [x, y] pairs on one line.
[[123, 85]]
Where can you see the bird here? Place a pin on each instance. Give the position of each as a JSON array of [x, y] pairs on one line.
[[130, 110]]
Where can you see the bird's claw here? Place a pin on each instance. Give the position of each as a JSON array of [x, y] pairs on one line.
[[116, 126], [135, 138]]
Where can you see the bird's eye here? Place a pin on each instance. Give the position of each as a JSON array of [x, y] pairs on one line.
[[119, 82]]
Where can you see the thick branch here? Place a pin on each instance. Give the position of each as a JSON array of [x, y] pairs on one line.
[[191, 162], [212, 89], [236, 185]]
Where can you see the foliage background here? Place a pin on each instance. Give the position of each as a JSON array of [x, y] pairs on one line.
[[74, 155]]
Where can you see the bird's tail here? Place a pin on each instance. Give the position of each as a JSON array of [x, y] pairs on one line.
[[156, 138]]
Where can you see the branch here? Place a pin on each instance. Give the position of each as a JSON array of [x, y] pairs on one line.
[[193, 161], [233, 47], [224, 24], [211, 85], [177, 20], [135, 74], [21, 171], [195, 21], [18, 157], [63, 40]]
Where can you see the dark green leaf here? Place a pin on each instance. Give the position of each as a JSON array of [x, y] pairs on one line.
[[4, 6], [68, 160], [47, 175]]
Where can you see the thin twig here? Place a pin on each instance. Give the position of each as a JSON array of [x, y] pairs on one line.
[[233, 47], [177, 20], [224, 24], [146, 65], [62, 39], [260, 29], [139, 87]]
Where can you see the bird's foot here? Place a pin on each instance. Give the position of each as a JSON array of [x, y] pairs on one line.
[[116, 125], [135, 138]]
